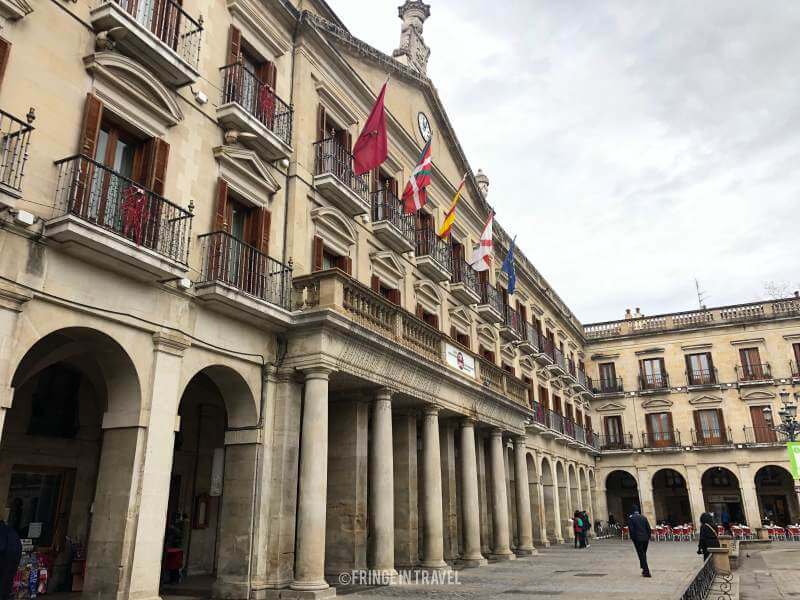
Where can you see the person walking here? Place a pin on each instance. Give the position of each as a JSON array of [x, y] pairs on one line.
[[708, 535], [576, 528], [10, 553], [586, 527], [639, 528]]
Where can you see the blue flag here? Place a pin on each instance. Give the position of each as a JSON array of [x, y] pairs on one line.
[[508, 268]]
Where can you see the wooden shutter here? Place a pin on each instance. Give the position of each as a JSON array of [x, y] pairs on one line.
[[5, 50], [321, 123], [157, 153], [375, 284], [721, 422], [261, 221], [434, 321], [698, 426], [221, 220], [453, 332], [267, 73], [394, 297], [420, 311], [796, 348], [589, 422], [317, 249], [90, 129], [348, 265], [234, 44]]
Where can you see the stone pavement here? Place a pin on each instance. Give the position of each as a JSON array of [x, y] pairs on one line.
[[772, 574], [607, 570]]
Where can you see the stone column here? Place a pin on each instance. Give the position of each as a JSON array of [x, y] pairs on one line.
[[601, 505], [749, 496], [645, 483], [695, 488], [502, 547], [590, 508], [524, 521], [470, 506], [12, 299], [309, 570], [406, 508], [381, 485], [432, 520], [447, 451]]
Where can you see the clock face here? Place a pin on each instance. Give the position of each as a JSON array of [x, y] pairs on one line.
[[424, 127]]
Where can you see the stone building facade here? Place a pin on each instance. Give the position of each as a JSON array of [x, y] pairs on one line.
[[216, 339]]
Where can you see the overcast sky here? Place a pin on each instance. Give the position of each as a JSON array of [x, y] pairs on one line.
[[633, 145]]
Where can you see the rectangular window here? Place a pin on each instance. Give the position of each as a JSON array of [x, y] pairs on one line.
[[613, 431], [796, 367], [608, 378], [508, 368], [487, 354], [751, 368], [557, 405], [544, 397], [709, 428], [653, 374], [700, 369], [763, 432], [659, 430]]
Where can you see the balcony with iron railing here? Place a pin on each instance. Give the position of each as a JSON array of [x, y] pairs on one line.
[[238, 275], [390, 224], [434, 255], [580, 434], [569, 427], [701, 377], [606, 386], [15, 137], [252, 109], [512, 328], [335, 178], [764, 436], [530, 342], [158, 33], [619, 442], [108, 218], [559, 366], [662, 440], [539, 414], [555, 421], [712, 438], [653, 382], [14, 10], [490, 305], [546, 350], [754, 373], [464, 284]]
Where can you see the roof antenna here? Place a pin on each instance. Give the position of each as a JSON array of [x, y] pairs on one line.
[[701, 295]]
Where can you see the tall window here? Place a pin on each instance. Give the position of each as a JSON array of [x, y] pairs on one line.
[[752, 368], [608, 378], [487, 354], [700, 369], [544, 397], [763, 432], [709, 426], [613, 430], [659, 430], [653, 373], [796, 369]]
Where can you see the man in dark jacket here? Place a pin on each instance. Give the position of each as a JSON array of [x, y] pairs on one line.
[[10, 553], [639, 529]]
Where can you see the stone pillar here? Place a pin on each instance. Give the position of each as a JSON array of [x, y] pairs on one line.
[[695, 488], [162, 422], [12, 299], [645, 483], [432, 526], [406, 513], [309, 571], [381, 485], [483, 495], [502, 547], [447, 451], [601, 505], [524, 521], [470, 504], [749, 496]]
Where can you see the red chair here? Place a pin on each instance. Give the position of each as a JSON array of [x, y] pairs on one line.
[[720, 530], [793, 531], [626, 533]]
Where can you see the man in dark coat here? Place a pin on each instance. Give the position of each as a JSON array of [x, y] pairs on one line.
[[10, 553], [639, 529]]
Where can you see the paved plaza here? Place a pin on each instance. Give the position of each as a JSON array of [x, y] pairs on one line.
[[772, 574]]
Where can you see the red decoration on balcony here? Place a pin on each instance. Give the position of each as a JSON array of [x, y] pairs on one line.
[[133, 213], [266, 104]]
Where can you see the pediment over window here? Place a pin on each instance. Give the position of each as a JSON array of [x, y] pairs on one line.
[[461, 318], [428, 295], [508, 352], [131, 91], [246, 174], [335, 104], [487, 336], [335, 228], [758, 396], [388, 268], [706, 400], [255, 22], [654, 403]]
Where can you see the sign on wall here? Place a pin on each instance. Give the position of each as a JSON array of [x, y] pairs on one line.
[[460, 360], [794, 458]]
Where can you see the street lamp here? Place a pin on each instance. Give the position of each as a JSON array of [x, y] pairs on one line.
[[789, 424]]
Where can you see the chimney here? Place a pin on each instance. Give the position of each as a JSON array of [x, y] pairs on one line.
[[797, 293], [483, 182], [638, 313], [413, 51], [628, 313]]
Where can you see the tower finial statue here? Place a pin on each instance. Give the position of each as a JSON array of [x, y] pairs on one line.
[[413, 51]]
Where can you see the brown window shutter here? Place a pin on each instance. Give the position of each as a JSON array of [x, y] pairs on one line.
[[158, 155], [375, 283], [234, 44], [348, 265], [721, 420], [670, 426], [395, 192], [92, 116], [5, 50], [394, 297], [321, 123], [374, 179], [260, 230], [317, 249], [698, 425], [453, 332], [434, 322], [221, 221], [420, 311], [268, 74]]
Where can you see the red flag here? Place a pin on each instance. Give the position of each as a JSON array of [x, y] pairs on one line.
[[371, 147]]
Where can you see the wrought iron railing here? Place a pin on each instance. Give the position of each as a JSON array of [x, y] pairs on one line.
[[653, 381], [580, 434], [753, 372], [583, 380], [464, 273], [555, 421], [430, 244], [387, 207], [331, 157], [662, 439], [240, 85], [491, 297], [242, 266], [167, 20], [539, 414], [15, 137], [712, 437], [699, 588], [532, 336], [513, 321], [622, 441], [547, 347], [572, 368], [102, 197], [764, 435], [702, 377], [569, 427], [558, 355], [606, 386]]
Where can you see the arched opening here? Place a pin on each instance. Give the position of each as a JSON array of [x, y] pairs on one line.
[[549, 494], [671, 498], [563, 502], [65, 479], [622, 494], [722, 496], [777, 500], [539, 535], [207, 476], [585, 495], [574, 492]]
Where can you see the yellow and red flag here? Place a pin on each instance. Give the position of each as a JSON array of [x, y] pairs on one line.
[[450, 217]]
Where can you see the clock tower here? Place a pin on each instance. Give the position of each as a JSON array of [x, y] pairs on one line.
[[413, 51]]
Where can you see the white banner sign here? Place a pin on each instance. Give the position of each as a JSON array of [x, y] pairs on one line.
[[460, 360]]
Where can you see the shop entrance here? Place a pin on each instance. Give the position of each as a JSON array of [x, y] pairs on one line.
[[723, 497], [622, 494], [777, 499], [671, 498]]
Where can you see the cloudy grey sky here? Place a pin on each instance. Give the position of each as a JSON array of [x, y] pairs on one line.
[[633, 145]]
